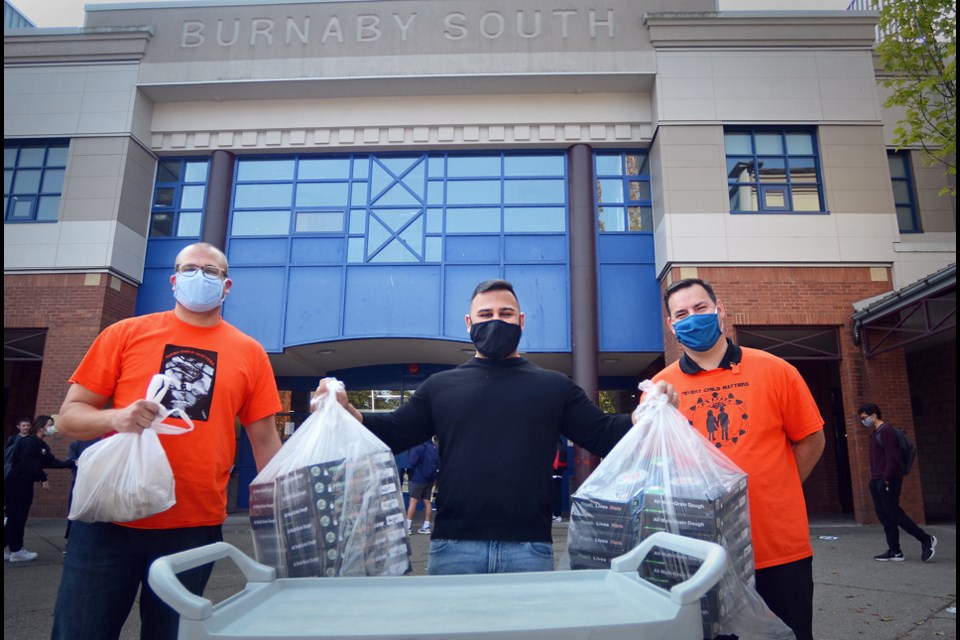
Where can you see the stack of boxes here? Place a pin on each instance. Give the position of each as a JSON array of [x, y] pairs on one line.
[[343, 517], [602, 530]]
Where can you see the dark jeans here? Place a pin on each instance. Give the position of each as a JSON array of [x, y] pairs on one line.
[[788, 591], [106, 564], [17, 498], [886, 500]]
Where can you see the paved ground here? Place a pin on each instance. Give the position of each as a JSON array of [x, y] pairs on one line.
[[855, 596]]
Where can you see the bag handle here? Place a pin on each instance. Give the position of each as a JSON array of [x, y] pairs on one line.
[[156, 390]]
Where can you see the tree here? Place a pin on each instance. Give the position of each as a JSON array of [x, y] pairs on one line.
[[918, 47]]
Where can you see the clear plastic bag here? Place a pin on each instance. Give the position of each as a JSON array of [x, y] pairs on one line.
[[127, 476], [664, 476], [330, 502]]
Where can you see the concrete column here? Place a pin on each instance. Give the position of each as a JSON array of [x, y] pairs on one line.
[[216, 212], [584, 325]]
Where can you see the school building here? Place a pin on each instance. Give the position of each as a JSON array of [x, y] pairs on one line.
[[365, 164]]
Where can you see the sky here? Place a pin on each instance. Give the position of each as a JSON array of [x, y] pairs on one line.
[[69, 13]]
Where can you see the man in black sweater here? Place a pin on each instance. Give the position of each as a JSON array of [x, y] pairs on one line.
[[498, 418]]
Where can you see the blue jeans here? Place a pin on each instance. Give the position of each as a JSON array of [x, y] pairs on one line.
[[450, 557], [106, 564]]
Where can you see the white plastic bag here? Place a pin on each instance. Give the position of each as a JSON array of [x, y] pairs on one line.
[[330, 502], [664, 476], [127, 476]]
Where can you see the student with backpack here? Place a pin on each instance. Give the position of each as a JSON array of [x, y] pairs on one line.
[[890, 458], [425, 465]]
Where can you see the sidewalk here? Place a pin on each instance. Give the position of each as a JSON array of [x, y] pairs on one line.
[[855, 597]]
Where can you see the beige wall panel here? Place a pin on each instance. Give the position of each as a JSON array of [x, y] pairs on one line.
[[753, 225], [937, 212], [30, 246], [707, 154], [709, 225], [782, 248], [696, 201], [699, 249], [859, 178], [82, 99], [864, 201], [129, 249], [82, 256], [911, 267]]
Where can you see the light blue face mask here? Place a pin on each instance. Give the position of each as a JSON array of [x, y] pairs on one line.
[[698, 332], [198, 293]]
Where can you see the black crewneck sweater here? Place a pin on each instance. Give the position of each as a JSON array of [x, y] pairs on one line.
[[498, 422]]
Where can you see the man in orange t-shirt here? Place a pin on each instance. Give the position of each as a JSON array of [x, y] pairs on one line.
[[756, 409], [222, 375]]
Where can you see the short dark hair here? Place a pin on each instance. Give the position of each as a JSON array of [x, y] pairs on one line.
[[869, 409], [23, 419], [686, 283], [494, 285]]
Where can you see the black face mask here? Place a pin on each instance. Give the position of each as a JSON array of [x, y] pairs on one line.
[[495, 339]]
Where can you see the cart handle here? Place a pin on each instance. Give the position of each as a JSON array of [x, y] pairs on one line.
[[164, 582], [714, 559]]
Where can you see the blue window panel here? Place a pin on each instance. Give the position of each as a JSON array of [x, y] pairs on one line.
[[317, 251], [191, 196], [534, 219], [260, 223], [249, 196], [543, 291], [609, 165], [323, 169], [534, 191], [313, 304], [189, 223], [433, 249], [255, 302], [473, 192], [903, 194], [155, 293], [279, 169], [535, 248], [162, 252], [472, 249], [473, 166], [473, 220], [630, 316], [610, 191], [195, 171], [358, 194], [406, 299], [458, 284], [625, 248], [397, 195], [553, 165], [318, 194], [319, 222], [244, 251]]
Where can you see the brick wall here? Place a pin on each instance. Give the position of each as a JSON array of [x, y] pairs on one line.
[[73, 308], [821, 296]]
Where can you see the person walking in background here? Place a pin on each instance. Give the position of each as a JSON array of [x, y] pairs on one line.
[[425, 465], [886, 480], [23, 428], [29, 459]]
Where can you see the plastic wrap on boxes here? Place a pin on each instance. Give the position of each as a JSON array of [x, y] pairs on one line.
[[664, 476], [330, 502]]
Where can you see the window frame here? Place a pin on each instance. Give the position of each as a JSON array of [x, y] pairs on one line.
[[176, 209], [906, 179], [11, 198], [761, 186], [626, 180]]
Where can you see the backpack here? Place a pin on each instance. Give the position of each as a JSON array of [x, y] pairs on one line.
[[11, 460], [907, 450], [430, 463]]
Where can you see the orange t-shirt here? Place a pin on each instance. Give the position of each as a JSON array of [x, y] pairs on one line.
[[753, 413], [223, 374]]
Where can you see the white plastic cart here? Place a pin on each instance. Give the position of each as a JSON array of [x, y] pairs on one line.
[[556, 605]]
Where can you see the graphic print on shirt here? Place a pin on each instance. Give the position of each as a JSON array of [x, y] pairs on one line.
[[718, 413], [195, 371]]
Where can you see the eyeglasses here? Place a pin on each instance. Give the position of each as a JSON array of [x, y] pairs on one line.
[[209, 271]]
